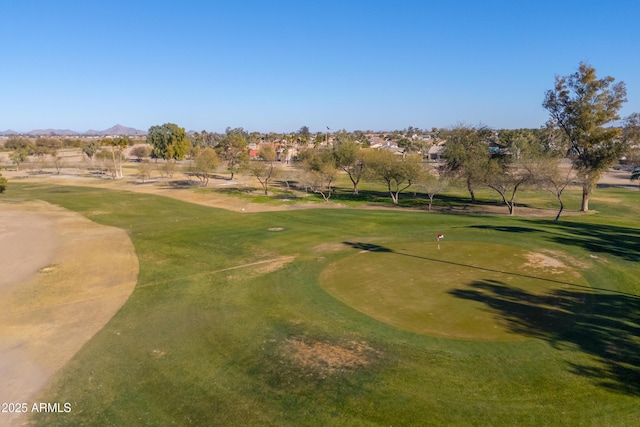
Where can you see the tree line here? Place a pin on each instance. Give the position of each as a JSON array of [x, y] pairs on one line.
[[581, 139]]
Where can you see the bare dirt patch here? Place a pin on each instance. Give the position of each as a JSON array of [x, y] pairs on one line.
[[61, 298], [537, 260], [274, 265], [554, 262], [329, 358]]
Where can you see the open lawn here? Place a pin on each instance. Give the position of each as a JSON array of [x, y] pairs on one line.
[[353, 317]]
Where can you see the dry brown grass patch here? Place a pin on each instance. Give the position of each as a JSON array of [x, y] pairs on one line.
[[329, 358], [554, 262], [572, 262]]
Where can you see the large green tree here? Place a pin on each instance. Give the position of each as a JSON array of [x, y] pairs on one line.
[[233, 149], [584, 107], [140, 151], [19, 156], [507, 173], [169, 142], [467, 153], [264, 168], [90, 149], [433, 183], [349, 157], [204, 163], [397, 172], [319, 171]]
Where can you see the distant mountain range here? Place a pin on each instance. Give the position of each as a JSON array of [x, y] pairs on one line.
[[114, 130]]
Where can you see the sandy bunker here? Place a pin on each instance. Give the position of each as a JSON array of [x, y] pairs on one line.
[[63, 278]]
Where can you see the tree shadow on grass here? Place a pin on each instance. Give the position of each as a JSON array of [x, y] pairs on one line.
[[370, 247], [506, 228], [622, 242], [417, 200], [604, 326], [184, 183]]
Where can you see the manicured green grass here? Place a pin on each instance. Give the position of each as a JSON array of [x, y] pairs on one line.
[[203, 343], [431, 288]]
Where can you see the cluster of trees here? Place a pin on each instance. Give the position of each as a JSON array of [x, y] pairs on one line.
[[35, 153], [317, 164], [504, 162], [40, 149], [170, 142], [580, 139], [397, 172], [17, 142], [109, 152]]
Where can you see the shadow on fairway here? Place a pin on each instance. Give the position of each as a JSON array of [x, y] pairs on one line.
[[622, 242], [604, 326]]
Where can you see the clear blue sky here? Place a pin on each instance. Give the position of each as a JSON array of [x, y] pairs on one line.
[[279, 65]]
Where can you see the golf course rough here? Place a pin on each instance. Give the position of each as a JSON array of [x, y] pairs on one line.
[[232, 324]]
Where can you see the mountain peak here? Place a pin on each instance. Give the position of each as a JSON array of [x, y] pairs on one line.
[[117, 130]]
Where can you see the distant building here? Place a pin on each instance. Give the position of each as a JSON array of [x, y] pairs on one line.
[[435, 151]]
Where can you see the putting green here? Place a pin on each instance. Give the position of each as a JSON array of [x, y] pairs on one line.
[[420, 288]]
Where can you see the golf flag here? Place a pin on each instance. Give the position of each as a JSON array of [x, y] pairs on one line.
[[440, 236]]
